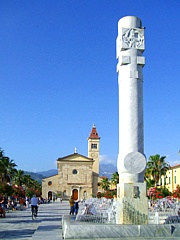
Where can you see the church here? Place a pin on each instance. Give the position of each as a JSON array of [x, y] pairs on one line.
[[78, 175]]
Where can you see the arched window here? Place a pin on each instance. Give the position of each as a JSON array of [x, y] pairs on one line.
[[74, 171]]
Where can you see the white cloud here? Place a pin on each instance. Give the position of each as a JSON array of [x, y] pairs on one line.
[[106, 160]]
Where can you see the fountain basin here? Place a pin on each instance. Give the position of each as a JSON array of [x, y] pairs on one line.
[[72, 229]]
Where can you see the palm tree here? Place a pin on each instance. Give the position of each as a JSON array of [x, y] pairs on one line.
[[156, 167], [1, 159], [37, 185], [19, 178], [105, 184], [148, 178], [7, 168], [115, 178], [28, 181]]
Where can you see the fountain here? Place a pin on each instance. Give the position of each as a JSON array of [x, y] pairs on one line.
[[96, 218], [104, 211]]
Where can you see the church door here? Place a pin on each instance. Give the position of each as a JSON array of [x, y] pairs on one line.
[[75, 194], [49, 195]]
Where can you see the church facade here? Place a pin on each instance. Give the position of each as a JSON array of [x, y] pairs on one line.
[[78, 175]]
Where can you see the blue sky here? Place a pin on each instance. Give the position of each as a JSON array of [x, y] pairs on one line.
[[58, 77]]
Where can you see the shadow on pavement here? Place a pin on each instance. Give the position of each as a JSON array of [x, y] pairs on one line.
[[16, 234]]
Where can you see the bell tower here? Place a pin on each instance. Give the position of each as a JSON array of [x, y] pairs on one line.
[[94, 148]]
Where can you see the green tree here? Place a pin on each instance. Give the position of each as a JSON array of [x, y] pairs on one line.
[[156, 167], [7, 168], [28, 181], [13, 181], [31, 186], [115, 178], [105, 184], [150, 182], [165, 191], [5, 189], [37, 186], [18, 178], [148, 178], [30, 192]]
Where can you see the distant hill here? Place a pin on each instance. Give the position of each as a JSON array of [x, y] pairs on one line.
[[35, 176], [48, 173], [104, 170], [40, 175], [107, 170]]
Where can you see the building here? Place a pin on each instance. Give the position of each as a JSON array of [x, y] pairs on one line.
[[77, 174], [172, 178]]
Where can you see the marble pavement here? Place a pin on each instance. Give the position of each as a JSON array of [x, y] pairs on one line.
[[19, 226]]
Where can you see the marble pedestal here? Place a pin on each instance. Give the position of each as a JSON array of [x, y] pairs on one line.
[[132, 204]]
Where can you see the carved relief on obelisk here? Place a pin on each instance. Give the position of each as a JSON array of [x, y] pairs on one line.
[[133, 38]]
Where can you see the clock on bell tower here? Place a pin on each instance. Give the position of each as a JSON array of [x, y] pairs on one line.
[[93, 148]]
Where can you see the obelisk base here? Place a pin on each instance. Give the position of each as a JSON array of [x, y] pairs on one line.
[[132, 204]]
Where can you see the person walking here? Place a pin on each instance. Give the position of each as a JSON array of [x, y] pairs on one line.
[[27, 202], [21, 202], [71, 202], [2, 204], [76, 207]]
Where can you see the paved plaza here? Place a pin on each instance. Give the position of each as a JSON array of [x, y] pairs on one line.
[[19, 225]]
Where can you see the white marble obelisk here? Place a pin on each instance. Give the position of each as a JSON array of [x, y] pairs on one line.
[[131, 159]]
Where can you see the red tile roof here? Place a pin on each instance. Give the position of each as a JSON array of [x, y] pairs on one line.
[[94, 133], [175, 166]]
